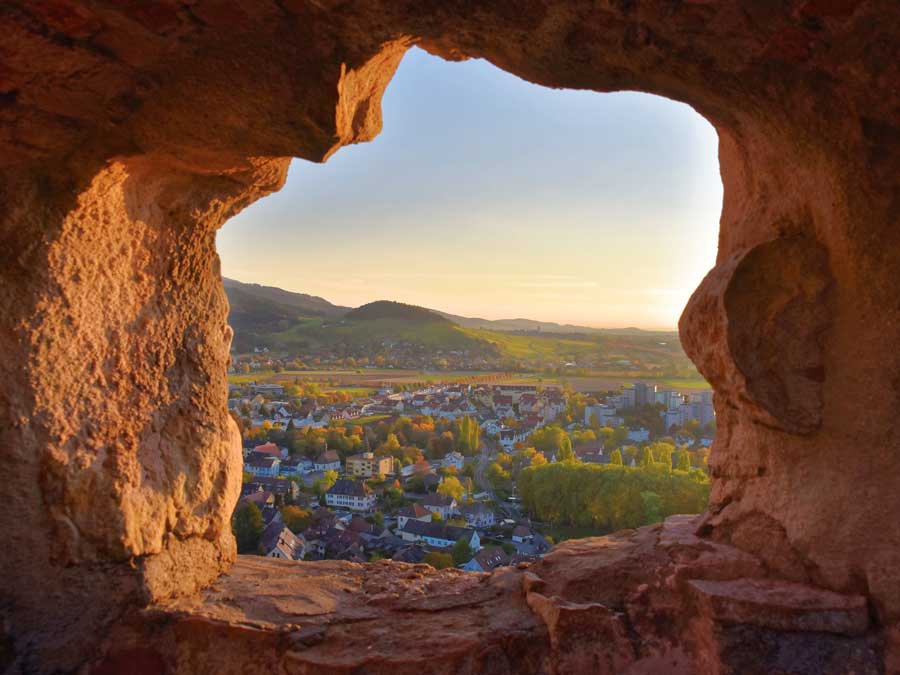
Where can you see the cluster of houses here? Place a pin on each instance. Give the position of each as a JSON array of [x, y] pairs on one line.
[[493, 406], [346, 527], [342, 531]]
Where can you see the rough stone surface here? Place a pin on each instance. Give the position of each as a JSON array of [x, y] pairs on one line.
[[782, 605], [130, 131], [652, 600]]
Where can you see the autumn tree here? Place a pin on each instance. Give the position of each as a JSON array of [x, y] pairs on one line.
[[566, 454], [468, 436], [451, 487], [547, 439]]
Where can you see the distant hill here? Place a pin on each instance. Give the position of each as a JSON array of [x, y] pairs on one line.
[[300, 324], [265, 316], [279, 300], [257, 311], [528, 325], [387, 309], [254, 305]]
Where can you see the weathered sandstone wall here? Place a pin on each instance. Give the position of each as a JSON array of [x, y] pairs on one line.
[[130, 131]]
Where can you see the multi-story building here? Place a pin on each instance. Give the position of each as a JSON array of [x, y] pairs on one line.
[[367, 465], [672, 400], [703, 400], [671, 418], [699, 408], [350, 494], [644, 394], [605, 414]]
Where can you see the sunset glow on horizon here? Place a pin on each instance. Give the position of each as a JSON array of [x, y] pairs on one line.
[[487, 196]]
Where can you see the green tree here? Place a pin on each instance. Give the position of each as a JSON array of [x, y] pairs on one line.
[[652, 507], [615, 457], [439, 561], [662, 453], [248, 527], [605, 498], [393, 497], [325, 483], [295, 518], [498, 476], [684, 461], [646, 458], [462, 552]]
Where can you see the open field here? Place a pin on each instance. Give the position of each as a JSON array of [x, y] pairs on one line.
[[361, 381]]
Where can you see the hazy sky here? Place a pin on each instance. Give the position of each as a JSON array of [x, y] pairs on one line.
[[488, 196]]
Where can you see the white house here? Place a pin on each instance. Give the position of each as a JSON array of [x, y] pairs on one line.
[[477, 515], [439, 535], [312, 420], [454, 459], [277, 541], [491, 427], [295, 466], [350, 494], [327, 461], [509, 437], [263, 466], [440, 504], [522, 534], [414, 512]]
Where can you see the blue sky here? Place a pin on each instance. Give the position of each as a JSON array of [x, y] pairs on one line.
[[488, 196]]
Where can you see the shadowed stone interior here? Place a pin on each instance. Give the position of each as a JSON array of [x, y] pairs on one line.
[[130, 131]]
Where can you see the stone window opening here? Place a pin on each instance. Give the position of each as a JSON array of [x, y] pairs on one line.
[[131, 136]]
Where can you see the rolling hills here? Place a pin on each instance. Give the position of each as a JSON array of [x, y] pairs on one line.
[[306, 326]]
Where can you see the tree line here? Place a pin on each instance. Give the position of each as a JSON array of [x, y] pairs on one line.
[[611, 497]]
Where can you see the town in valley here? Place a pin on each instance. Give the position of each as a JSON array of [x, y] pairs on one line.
[[473, 471]]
